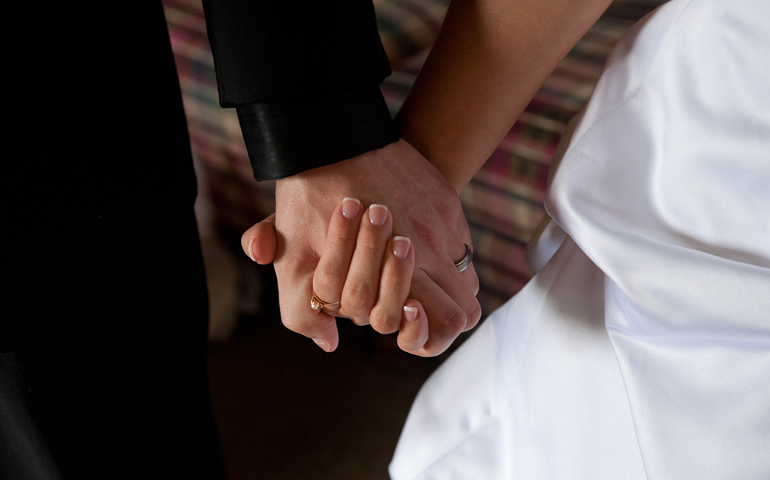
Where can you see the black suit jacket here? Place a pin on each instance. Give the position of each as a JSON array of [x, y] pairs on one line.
[[97, 165], [304, 77]]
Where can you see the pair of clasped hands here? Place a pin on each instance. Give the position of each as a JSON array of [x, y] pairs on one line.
[[376, 238]]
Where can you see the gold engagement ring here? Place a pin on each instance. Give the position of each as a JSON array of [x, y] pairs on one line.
[[317, 304]]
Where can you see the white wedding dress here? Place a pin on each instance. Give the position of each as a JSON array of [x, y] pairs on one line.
[[641, 350]]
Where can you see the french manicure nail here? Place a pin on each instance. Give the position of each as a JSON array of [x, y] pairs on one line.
[[401, 246], [410, 313], [251, 256], [321, 344], [350, 207], [378, 214]]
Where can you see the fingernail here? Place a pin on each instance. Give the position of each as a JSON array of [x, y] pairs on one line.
[[378, 214], [350, 207], [321, 344], [410, 313], [251, 256], [401, 246]]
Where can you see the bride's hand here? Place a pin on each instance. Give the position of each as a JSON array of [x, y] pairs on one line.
[[363, 274]]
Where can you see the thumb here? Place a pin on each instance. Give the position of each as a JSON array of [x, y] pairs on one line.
[[259, 241]]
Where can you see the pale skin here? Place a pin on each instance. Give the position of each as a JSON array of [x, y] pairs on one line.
[[359, 242], [437, 228], [488, 61]]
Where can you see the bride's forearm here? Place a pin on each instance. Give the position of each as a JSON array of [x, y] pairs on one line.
[[487, 63]]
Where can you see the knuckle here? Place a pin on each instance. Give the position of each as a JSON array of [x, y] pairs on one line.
[[455, 324], [473, 317], [358, 299], [341, 240], [385, 322], [329, 277], [368, 243], [390, 282]]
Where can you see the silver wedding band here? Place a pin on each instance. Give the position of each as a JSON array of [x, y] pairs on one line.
[[466, 261]]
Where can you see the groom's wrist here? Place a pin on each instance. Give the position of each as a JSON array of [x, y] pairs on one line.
[[286, 138]]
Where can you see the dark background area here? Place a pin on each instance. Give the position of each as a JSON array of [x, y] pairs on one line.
[[288, 410]]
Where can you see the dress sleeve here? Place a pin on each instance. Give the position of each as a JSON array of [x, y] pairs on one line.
[[304, 77]]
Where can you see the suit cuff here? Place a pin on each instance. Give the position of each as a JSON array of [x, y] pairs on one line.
[[286, 138]]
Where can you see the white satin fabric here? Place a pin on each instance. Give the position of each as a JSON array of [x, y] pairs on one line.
[[641, 350]]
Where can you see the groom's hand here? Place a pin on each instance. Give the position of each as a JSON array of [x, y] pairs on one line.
[[425, 208]]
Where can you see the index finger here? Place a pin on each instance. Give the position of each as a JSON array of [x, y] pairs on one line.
[[297, 314]]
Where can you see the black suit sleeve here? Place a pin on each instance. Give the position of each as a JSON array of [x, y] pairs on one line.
[[304, 77]]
